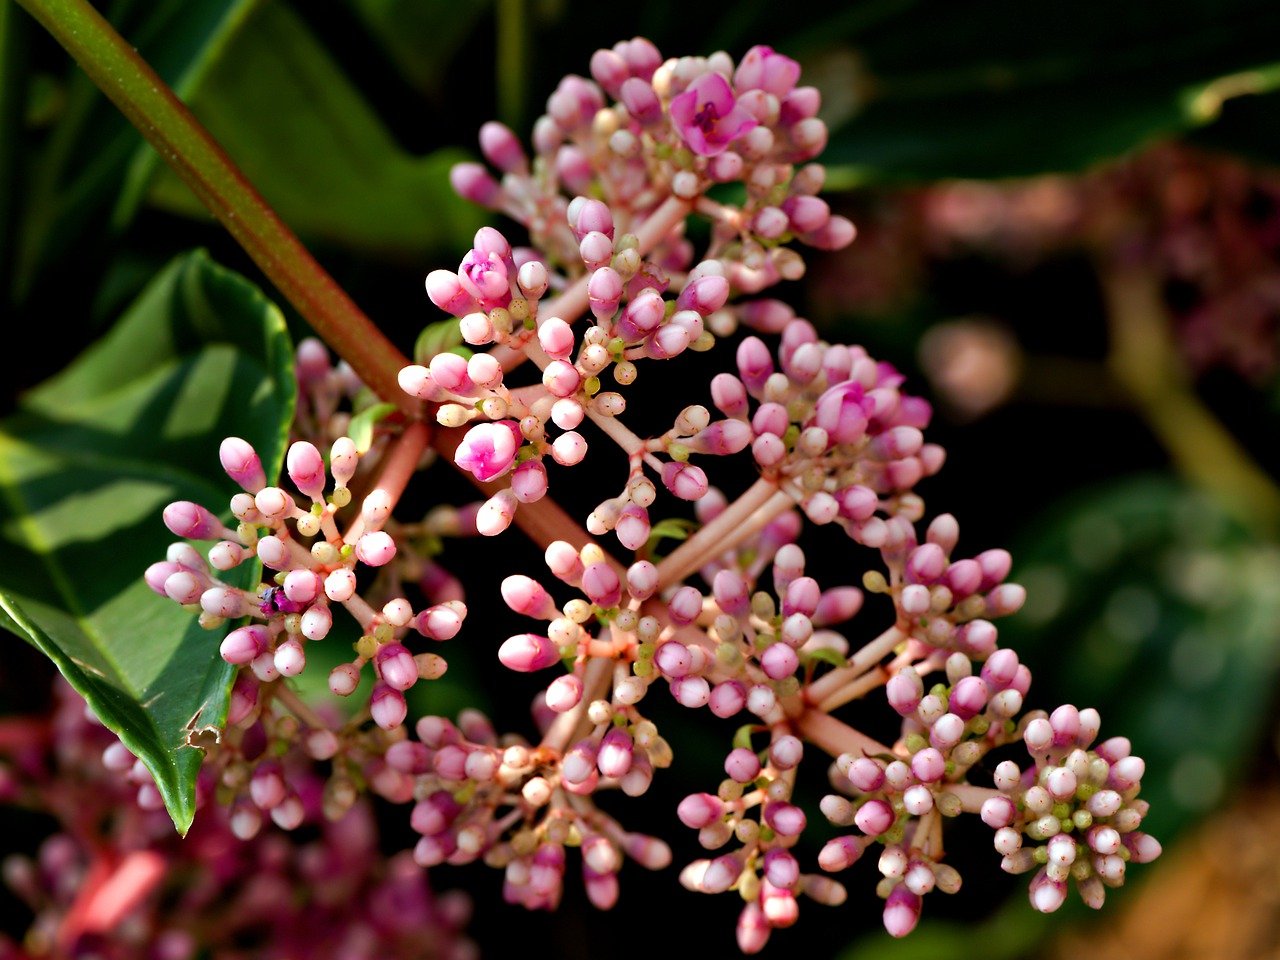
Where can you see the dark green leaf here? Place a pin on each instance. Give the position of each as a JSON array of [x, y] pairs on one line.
[[407, 29], [999, 88], [305, 137], [93, 150], [86, 467]]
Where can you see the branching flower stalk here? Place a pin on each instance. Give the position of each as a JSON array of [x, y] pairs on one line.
[[609, 290]]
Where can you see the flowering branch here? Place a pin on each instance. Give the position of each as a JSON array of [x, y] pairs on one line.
[[831, 439]]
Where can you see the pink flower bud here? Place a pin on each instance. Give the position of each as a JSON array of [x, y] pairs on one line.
[[706, 295], [290, 658], [569, 448], [901, 911], [1047, 895], [729, 395], [754, 363], [556, 338], [595, 250], [874, 817], [317, 622], [527, 652], [673, 659], [532, 279], [564, 693], [642, 579], [190, 520], [786, 752], [633, 527], [727, 699], [375, 548], [786, 819], [699, 810], [343, 679], [641, 101], [387, 707], [472, 182], [928, 765], [753, 929], [529, 481], [306, 468], [866, 775], [184, 586], [601, 584], [615, 754], [245, 643], [761, 68], [690, 691], [397, 667], [527, 596], [643, 314], [604, 291], [840, 853], [501, 148], [969, 697], [668, 341], [684, 480], [1000, 669], [267, 787], [445, 290], [489, 449], [722, 438], [561, 378], [742, 765], [806, 213], [242, 464]]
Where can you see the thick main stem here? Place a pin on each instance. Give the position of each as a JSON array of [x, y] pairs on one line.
[[151, 106]]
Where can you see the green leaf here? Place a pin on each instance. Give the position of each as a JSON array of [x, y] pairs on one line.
[[305, 137], [94, 160], [361, 428], [439, 337], [997, 88], [86, 467], [406, 29], [1149, 602], [826, 655]]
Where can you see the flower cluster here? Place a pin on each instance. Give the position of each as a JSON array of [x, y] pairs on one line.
[[115, 882], [738, 618]]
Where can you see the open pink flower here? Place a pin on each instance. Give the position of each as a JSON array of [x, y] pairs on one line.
[[489, 449], [763, 69], [708, 117], [484, 276]]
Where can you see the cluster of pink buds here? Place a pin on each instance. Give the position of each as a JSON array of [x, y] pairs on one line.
[[315, 568], [115, 882], [820, 433]]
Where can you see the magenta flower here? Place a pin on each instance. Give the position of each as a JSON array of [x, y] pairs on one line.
[[763, 69], [484, 276], [708, 117], [489, 449]]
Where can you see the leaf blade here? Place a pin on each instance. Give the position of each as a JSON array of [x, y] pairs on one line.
[[86, 467]]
